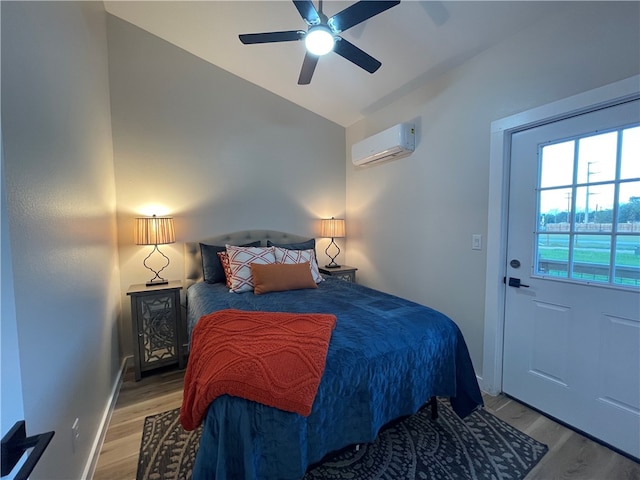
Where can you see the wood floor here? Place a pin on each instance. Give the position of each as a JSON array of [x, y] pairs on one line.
[[571, 456]]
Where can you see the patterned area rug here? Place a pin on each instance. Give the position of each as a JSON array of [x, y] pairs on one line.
[[478, 447]]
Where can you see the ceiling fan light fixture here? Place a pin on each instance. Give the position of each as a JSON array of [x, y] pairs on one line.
[[323, 36], [319, 40]]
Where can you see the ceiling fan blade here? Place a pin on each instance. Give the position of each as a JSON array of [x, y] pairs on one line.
[[307, 11], [359, 12], [269, 37], [308, 67], [354, 54]]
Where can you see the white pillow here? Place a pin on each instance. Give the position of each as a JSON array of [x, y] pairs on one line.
[[284, 255], [240, 260]]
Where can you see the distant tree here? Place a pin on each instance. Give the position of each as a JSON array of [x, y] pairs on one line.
[[630, 211], [605, 216]]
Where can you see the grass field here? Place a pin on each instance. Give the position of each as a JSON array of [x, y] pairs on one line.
[[592, 257], [589, 256], [591, 249]]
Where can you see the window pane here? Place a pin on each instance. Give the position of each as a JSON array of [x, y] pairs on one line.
[[594, 208], [555, 207], [597, 158], [629, 207], [583, 183], [556, 164], [592, 257], [627, 260], [553, 255], [630, 167]]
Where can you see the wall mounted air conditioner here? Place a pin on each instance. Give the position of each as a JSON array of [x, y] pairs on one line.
[[395, 142]]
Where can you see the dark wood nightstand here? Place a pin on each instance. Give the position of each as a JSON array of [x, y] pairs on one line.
[[343, 272], [156, 320]]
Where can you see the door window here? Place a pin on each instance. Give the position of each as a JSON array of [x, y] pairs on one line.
[[588, 227]]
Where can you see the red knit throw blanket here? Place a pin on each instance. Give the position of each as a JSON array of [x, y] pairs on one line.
[[269, 357]]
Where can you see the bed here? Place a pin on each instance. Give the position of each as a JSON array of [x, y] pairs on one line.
[[386, 358]]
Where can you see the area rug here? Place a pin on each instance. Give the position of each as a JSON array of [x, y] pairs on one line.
[[478, 447]]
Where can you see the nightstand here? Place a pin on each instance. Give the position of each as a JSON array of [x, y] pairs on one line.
[[343, 272], [156, 320]]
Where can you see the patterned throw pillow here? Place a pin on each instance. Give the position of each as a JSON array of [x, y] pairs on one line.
[[240, 260], [212, 269], [224, 261], [284, 255]]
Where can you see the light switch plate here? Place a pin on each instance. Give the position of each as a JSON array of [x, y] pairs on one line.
[[476, 242]]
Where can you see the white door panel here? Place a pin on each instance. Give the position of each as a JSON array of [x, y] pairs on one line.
[[572, 335]]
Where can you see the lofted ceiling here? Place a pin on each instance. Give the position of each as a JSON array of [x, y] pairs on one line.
[[415, 41]]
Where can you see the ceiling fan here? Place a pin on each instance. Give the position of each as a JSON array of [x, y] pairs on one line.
[[322, 35]]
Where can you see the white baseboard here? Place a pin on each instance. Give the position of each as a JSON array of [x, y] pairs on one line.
[[92, 461], [488, 388]]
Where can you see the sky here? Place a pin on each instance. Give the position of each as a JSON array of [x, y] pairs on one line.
[[596, 163]]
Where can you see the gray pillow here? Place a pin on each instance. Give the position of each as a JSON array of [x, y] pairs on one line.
[[306, 245]]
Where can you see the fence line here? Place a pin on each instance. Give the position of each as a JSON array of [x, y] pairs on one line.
[[632, 227], [593, 270]]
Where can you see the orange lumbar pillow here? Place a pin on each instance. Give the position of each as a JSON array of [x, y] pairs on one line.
[[277, 277]]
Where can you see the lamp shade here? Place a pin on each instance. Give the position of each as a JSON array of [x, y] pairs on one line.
[[332, 227], [154, 231]]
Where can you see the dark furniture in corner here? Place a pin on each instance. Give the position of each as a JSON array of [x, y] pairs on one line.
[[156, 320], [344, 272]]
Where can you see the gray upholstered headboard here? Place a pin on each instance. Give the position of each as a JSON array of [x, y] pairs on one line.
[[193, 258]]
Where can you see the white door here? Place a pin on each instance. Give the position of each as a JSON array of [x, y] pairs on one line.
[[572, 312]]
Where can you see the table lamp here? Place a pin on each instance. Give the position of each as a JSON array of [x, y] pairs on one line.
[[332, 228], [155, 231]]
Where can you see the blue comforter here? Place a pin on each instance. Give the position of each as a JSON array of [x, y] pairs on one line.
[[386, 358]]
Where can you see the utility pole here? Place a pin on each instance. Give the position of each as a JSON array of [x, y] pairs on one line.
[[586, 204]]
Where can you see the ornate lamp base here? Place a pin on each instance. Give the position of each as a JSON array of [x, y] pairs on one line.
[[157, 279], [332, 263]]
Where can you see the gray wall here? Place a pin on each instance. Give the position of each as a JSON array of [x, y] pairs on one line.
[[221, 155], [60, 189], [411, 220], [11, 402], [216, 152]]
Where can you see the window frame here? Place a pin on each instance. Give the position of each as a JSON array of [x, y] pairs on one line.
[[573, 232]]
